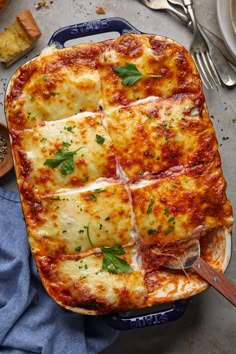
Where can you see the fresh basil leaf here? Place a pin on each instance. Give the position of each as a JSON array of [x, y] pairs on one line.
[[111, 262], [130, 81], [65, 158], [130, 74], [114, 264], [128, 70]]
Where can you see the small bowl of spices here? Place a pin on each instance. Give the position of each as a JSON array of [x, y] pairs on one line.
[[6, 162]]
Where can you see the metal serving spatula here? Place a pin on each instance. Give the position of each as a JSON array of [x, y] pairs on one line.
[[190, 258]]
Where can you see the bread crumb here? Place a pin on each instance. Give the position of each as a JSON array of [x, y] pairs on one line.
[[42, 4], [100, 10]]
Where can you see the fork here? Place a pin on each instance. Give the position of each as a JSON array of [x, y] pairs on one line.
[[200, 52], [198, 48]]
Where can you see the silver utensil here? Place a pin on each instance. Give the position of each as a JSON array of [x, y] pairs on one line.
[[220, 44], [200, 52], [165, 5], [228, 75], [190, 258]]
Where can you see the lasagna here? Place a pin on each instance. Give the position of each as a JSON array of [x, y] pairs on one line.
[[117, 163]]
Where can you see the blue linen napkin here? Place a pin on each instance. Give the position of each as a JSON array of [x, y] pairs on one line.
[[30, 321]]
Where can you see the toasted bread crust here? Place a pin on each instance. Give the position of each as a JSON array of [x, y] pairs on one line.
[[27, 21]]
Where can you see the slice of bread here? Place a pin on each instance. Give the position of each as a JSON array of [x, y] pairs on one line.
[[19, 38]]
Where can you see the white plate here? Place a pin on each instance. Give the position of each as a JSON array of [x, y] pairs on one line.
[[225, 23], [233, 14]]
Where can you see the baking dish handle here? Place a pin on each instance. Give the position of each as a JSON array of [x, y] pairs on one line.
[[173, 313], [112, 24]]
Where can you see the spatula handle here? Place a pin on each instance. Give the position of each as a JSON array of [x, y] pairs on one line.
[[218, 281]]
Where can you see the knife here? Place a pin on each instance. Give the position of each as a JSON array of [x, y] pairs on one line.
[[219, 43], [225, 71]]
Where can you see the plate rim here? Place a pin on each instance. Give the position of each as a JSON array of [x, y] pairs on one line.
[[232, 11]]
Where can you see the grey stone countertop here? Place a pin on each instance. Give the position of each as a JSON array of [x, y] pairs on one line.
[[209, 324]]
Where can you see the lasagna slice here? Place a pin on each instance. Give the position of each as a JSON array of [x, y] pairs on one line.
[[152, 55], [55, 85], [180, 204], [153, 135], [82, 285], [72, 221], [66, 153]]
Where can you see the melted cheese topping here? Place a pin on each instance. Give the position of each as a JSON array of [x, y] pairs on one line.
[[55, 85], [92, 160], [59, 223], [153, 55], [83, 285], [181, 204], [101, 165], [168, 132]]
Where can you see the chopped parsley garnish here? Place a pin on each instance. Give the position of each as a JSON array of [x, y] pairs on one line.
[[78, 248], [30, 117], [85, 179], [54, 198], [153, 231], [108, 218], [150, 205], [98, 190], [170, 219], [130, 74], [166, 211], [63, 158], [92, 197], [70, 128], [111, 262], [99, 139], [170, 229], [53, 94]]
